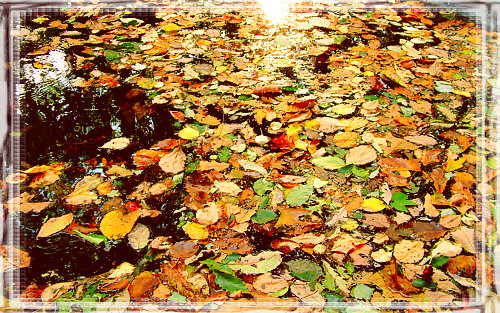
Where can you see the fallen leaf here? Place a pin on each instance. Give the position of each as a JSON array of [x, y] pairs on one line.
[[263, 262], [16, 178], [446, 248], [52, 292], [345, 243], [466, 237], [361, 155], [212, 165], [428, 230], [138, 238], [173, 162], [228, 187], [118, 223], [55, 224], [188, 133], [209, 214], [373, 205], [143, 285], [196, 231], [291, 216], [421, 140], [251, 166], [183, 249], [450, 221], [116, 144], [266, 283], [36, 207], [409, 251]]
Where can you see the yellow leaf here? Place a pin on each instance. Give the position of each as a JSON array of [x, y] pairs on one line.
[[373, 205], [118, 223], [349, 225], [189, 133], [55, 224], [461, 93], [171, 27], [40, 20], [196, 231], [300, 144], [405, 174], [452, 165]]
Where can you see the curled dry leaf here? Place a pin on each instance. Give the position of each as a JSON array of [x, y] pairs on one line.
[[118, 223], [117, 143], [361, 155], [409, 251], [173, 162], [55, 224]]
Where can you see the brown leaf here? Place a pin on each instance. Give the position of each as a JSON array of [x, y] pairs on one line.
[[377, 220], [183, 249], [430, 156], [422, 140], [291, 216], [14, 257], [361, 155], [450, 221], [428, 231], [345, 243], [36, 207], [268, 284], [55, 224], [397, 144], [361, 255], [173, 162], [138, 238], [212, 165], [463, 265], [143, 285], [440, 181], [176, 280], [399, 164], [466, 237], [237, 245], [409, 251]]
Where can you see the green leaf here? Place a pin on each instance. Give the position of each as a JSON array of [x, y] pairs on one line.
[[362, 291], [216, 266], [229, 282], [112, 56], [263, 216], [329, 162], [261, 186], [299, 195], [420, 283], [492, 163], [304, 269], [399, 201], [360, 172], [349, 267], [224, 154], [94, 238], [176, 297], [440, 261]]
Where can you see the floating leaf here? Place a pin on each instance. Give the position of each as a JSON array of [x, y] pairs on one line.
[[138, 238], [118, 223], [173, 162], [94, 238], [55, 224]]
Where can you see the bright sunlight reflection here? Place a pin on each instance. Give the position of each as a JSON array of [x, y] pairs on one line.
[[275, 10]]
